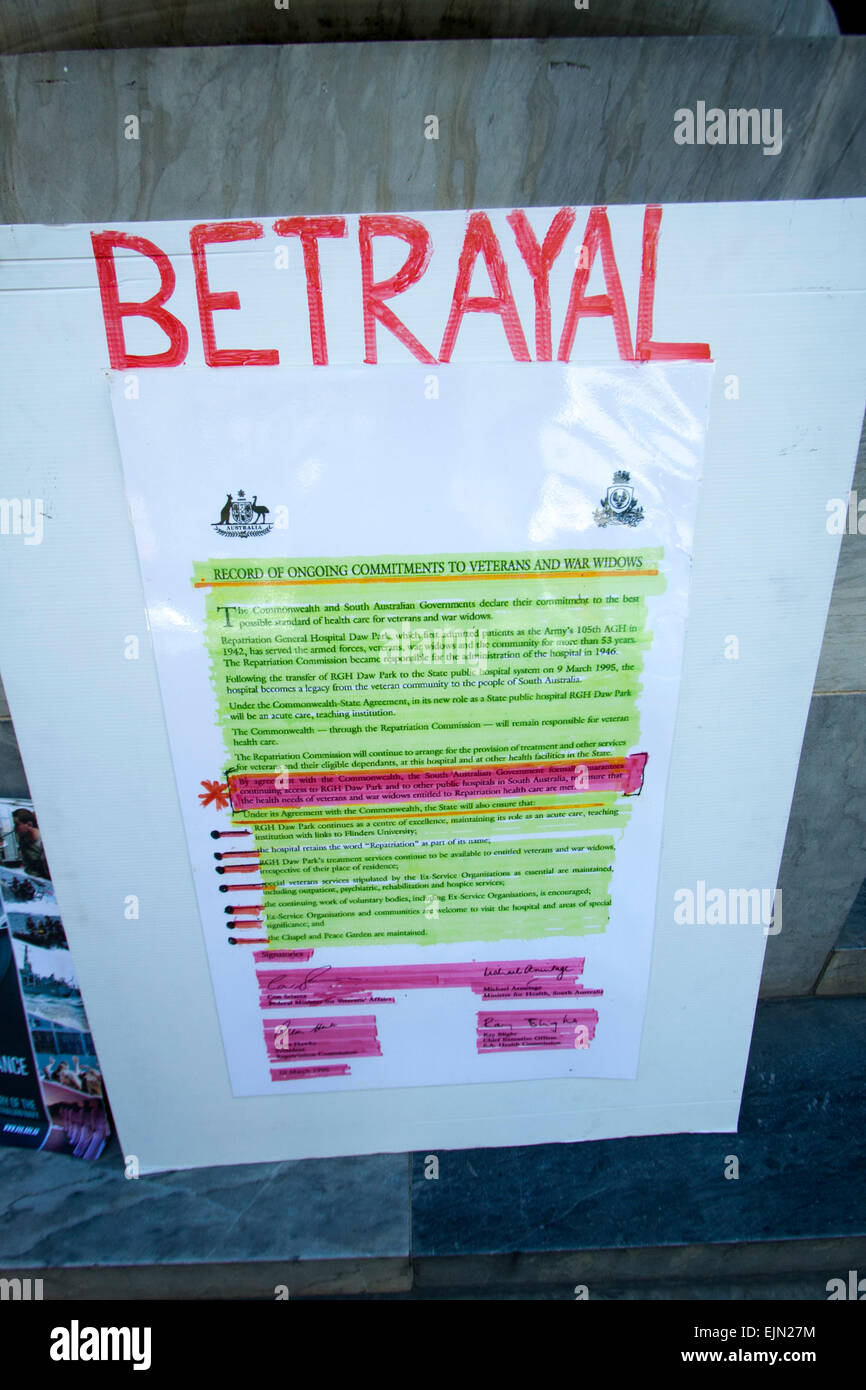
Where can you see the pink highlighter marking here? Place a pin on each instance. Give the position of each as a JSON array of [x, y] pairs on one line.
[[492, 980], [257, 791], [286, 955], [309, 1073], [544, 1030], [298, 1039]]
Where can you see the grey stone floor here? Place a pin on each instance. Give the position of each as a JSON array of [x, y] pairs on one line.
[[647, 1218]]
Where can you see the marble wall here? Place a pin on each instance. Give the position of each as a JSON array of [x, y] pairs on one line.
[[29, 26]]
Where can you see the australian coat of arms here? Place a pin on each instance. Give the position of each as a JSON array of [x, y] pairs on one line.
[[619, 503], [241, 517]]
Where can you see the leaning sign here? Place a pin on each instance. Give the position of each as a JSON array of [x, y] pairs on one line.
[[427, 666]]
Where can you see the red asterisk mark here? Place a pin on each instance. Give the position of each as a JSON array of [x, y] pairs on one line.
[[216, 793]]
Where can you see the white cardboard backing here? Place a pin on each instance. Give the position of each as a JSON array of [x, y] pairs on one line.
[[774, 289]]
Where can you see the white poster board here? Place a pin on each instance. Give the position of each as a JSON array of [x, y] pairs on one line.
[[430, 768], [763, 298]]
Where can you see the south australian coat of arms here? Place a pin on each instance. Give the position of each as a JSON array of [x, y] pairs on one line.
[[242, 517], [619, 503]]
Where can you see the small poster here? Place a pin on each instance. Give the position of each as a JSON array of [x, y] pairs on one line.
[[419, 652], [51, 1090]]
